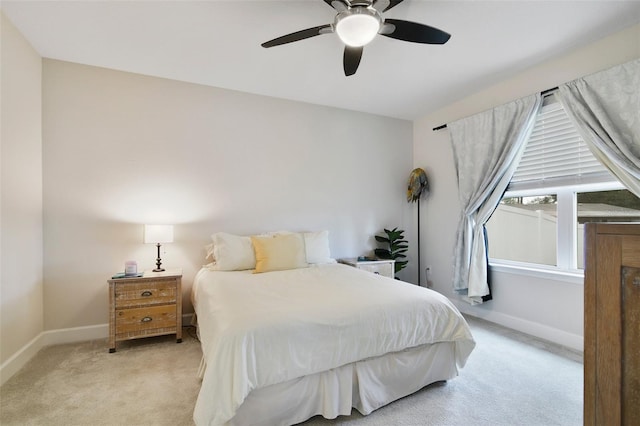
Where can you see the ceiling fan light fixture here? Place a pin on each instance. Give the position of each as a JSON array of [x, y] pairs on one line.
[[357, 26]]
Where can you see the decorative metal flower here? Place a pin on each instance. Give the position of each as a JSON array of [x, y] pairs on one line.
[[418, 185]]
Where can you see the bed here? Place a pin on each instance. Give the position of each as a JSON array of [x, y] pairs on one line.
[[282, 346]]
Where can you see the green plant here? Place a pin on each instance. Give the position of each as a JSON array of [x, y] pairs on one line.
[[395, 247]]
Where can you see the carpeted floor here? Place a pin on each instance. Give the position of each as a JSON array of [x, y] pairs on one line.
[[510, 379]]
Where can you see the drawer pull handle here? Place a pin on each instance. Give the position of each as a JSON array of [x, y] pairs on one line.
[[146, 319], [146, 293]]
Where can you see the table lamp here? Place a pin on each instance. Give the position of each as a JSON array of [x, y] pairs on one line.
[[157, 234]]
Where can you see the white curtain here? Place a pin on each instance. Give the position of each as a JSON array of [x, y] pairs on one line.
[[487, 148], [605, 107]]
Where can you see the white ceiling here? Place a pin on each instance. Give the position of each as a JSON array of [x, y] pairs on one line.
[[217, 43]]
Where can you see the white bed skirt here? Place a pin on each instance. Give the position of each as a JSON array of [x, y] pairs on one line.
[[365, 385]]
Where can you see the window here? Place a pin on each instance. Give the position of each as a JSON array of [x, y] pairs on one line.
[[523, 229], [558, 186]]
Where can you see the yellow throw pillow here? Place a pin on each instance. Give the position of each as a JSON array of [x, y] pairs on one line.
[[279, 252]]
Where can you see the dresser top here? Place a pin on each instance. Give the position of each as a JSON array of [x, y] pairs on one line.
[[176, 272], [149, 274]]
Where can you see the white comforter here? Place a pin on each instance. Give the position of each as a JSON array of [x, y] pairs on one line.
[[262, 329]]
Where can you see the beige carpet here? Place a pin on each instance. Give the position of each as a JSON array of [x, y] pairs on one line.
[[510, 379], [145, 382]]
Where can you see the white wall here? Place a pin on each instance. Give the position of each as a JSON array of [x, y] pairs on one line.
[[121, 150], [20, 193], [544, 307]]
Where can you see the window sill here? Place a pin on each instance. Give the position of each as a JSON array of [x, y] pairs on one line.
[[537, 271]]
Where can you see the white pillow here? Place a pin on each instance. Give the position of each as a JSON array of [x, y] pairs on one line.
[[232, 252], [317, 247]]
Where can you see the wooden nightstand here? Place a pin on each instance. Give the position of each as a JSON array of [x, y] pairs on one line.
[[145, 306], [382, 267]]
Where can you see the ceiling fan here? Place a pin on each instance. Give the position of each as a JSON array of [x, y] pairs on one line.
[[358, 22]]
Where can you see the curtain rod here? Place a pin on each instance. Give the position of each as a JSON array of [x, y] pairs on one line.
[[543, 94]]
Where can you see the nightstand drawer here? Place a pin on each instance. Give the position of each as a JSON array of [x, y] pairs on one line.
[[385, 269], [148, 318], [145, 293]]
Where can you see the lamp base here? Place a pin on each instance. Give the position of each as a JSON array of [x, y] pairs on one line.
[[159, 268]]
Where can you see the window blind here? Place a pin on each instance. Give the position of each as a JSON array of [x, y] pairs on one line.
[[556, 155]]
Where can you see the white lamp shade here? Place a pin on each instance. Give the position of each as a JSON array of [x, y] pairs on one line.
[[154, 234]]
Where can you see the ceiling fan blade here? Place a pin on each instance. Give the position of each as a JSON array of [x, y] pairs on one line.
[[384, 5], [299, 35], [352, 56], [338, 5], [416, 33]]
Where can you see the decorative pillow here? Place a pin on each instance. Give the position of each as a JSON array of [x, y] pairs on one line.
[[317, 247], [279, 252], [232, 252]]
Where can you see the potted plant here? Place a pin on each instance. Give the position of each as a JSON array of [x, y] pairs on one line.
[[395, 247]]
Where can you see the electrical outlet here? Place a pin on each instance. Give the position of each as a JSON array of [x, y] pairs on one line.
[[429, 272]]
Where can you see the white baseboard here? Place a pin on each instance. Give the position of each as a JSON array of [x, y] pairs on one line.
[[20, 359], [58, 337], [76, 334], [541, 331]]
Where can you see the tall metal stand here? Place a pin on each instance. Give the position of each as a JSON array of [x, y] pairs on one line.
[[419, 282]]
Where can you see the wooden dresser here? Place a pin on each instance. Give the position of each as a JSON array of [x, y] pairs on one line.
[[147, 306], [612, 324]]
